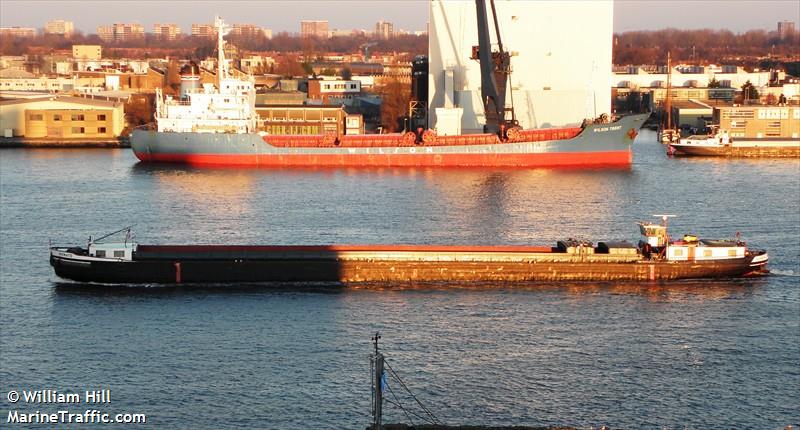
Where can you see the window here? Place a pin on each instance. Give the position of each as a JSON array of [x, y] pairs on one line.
[[56, 117], [100, 253], [731, 253], [119, 254], [678, 252], [101, 130], [707, 253], [77, 117], [77, 130], [101, 117], [36, 117]]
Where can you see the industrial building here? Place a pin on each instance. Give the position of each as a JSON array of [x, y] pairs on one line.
[[759, 121], [561, 67], [333, 91], [87, 52], [61, 117]]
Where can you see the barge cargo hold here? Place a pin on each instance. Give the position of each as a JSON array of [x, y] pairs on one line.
[[654, 259]]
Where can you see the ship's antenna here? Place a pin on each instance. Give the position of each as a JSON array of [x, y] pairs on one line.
[[128, 228], [377, 384]]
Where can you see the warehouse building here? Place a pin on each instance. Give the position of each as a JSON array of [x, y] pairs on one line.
[[62, 117]]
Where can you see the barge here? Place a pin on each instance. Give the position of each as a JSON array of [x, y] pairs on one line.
[[655, 258]]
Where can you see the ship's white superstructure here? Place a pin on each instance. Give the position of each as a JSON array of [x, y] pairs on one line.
[[227, 108]]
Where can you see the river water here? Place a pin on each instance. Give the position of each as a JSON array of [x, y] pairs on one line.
[[681, 355]]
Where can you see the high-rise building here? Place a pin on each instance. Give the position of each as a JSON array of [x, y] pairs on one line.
[[785, 29], [106, 33], [119, 32], [384, 30], [314, 29], [123, 32], [166, 31], [18, 31], [60, 27], [204, 30], [246, 30]]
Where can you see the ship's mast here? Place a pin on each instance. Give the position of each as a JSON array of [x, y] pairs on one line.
[[222, 67], [668, 101]]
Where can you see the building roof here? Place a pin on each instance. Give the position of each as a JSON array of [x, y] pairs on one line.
[[64, 99], [16, 74]]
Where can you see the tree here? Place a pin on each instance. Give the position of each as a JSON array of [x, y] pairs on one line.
[[749, 91], [714, 83], [395, 96]]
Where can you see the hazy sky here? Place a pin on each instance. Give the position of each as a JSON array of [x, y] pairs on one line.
[[285, 15]]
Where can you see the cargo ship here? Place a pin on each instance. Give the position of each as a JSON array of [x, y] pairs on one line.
[[218, 125], [655, 258]]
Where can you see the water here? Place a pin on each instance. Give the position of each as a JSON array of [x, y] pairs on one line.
[[682, 355]]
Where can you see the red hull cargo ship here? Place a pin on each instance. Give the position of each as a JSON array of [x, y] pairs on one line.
[[218, 125]]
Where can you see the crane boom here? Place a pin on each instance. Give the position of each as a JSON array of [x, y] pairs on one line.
[[495, 69]]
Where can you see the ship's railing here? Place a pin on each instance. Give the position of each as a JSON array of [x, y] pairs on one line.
[[177, 102]]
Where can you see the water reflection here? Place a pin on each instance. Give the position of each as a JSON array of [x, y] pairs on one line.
[[671, 291], [482, 206]]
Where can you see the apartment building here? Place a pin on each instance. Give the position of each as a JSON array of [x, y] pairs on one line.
[[314, 29], [384, 30], [17, 31], [166, 31], [120, 32], [207, 31], [59, 27]]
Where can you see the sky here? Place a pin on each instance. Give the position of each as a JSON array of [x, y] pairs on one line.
[[285, 15]]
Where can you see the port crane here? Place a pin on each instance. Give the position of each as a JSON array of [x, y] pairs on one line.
[[495, 72]]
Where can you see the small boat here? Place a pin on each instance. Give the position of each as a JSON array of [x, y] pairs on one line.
[[721, 144], [655, 258]]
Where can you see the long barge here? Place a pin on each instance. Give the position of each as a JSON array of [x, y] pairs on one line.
[[654, 259]]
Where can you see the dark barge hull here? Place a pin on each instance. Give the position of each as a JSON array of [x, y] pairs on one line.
[[174, 265]]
